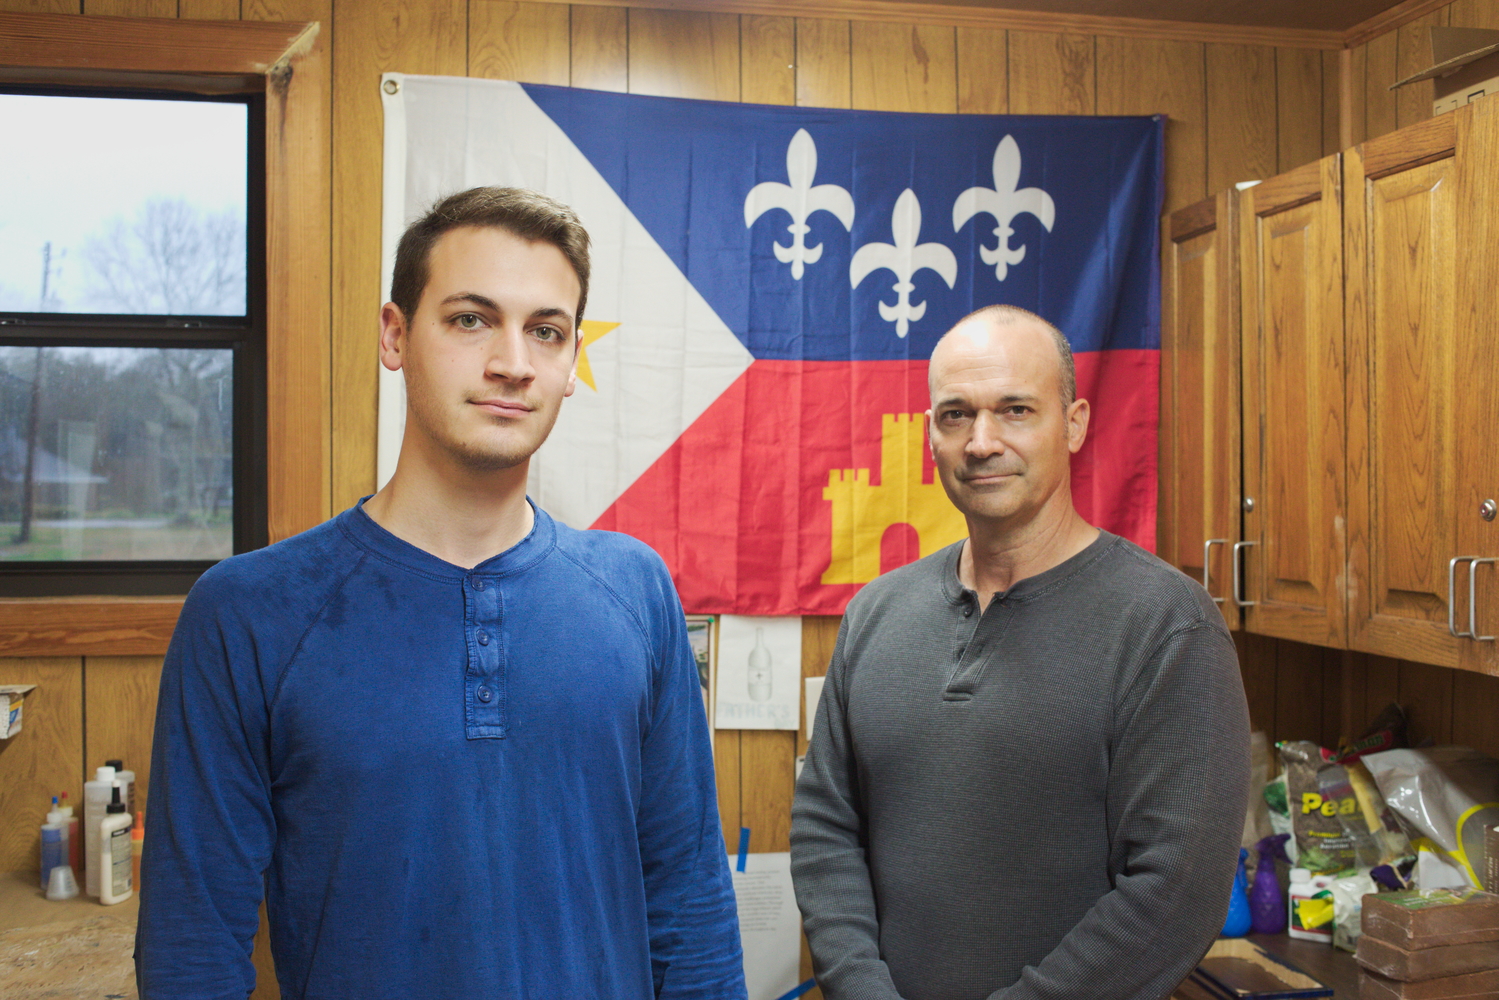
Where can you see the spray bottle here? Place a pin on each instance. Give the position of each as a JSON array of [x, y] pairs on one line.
[[54, 842], [1266, 904], [1238, 921]]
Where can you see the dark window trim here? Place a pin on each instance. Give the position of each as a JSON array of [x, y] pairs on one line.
[[246, 335]]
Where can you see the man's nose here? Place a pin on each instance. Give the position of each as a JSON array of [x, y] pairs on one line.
[[509, 355], [986, 438]]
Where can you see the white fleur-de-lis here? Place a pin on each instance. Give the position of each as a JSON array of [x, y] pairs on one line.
[[905, 257], [800, 199], [1003, 202]]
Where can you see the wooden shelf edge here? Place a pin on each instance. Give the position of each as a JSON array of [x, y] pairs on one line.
[[87, 626]]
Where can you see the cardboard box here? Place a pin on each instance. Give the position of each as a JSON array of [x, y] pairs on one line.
[[1373, 986], [1430, 918], [1465, 67], [1411, 965], [11, 697]]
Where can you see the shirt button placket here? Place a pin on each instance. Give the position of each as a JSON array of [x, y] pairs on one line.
[[485, 708]]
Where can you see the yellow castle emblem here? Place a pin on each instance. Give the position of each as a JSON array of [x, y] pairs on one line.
[[862, 513]]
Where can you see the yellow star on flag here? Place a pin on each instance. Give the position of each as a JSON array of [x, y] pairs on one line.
[[593, 330]]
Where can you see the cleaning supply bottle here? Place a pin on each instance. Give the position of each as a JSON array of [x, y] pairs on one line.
[[1267, 904], [127, 782], [75, 833], [1310, 916], [114, 858], [96, 797], [54, 843], [137, 845], [1238, 921]]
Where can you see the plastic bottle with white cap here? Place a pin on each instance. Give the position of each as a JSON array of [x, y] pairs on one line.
[[96, 796], [115, 863]]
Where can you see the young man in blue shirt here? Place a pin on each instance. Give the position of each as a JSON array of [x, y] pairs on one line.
[[459, 747]]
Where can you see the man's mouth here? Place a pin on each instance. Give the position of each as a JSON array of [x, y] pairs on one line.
[[502, 407]]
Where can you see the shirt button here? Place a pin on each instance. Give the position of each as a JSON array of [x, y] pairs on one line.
[[485, 695], [483, 638], [478, 583], [968, 611]]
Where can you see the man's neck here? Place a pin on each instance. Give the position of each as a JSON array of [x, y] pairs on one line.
[[999, 555], [457, 514]]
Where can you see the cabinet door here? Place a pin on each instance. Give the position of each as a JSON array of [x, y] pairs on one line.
[[1477, 399], [1291, 257], [1402, 226], [1199, 455]]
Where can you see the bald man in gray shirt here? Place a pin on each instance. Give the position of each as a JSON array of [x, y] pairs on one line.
[[1030, 761]]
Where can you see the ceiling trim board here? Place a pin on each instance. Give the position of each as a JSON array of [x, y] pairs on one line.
[[962, 16]]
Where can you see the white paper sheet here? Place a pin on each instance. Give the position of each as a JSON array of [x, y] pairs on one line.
[[769, 924], [814, 695], [759, 673]]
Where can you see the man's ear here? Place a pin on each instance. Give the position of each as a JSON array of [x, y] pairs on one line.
[[931, 445], [393, 334], [1077, 424]]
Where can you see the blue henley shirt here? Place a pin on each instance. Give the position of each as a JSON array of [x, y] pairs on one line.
[[446, 783]]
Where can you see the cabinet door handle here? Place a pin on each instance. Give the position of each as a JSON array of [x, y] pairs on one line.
[[1473, 599], [1207, 549], [1238, 592], [1452, 594]]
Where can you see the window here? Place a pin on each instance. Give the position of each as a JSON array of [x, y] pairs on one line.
[[132, 339]]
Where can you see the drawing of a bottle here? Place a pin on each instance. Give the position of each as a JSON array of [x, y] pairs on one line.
[[759, 669]]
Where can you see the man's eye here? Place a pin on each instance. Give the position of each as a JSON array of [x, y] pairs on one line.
[[468, 321], [548, 333]]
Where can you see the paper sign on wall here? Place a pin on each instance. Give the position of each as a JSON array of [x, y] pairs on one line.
[[769, 924], [814, 695], [759, 673]]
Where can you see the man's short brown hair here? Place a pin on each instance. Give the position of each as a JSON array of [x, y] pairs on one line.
[[526, 214]]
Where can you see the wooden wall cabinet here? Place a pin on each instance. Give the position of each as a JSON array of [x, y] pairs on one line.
[[1362, 396], [1199, 453], [1291, 297]]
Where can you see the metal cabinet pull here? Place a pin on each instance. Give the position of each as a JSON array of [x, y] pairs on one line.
[[1452, 594], [1238, 592], [1473, 599], [1207, 548]]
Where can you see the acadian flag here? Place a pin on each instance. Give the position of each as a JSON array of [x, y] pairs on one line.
[[768, 284]]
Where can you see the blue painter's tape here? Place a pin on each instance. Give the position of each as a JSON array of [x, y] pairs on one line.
[[798, 990], [743, 847]]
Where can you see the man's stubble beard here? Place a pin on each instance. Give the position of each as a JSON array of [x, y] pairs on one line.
[[470, 457]]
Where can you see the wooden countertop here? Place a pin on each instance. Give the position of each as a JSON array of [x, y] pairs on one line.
[[1323, 962], [74, 949]]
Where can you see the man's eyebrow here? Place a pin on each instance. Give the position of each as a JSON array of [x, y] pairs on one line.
[[1006, 400]]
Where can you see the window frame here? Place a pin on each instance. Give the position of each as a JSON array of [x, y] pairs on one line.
[[285, 62], [244, 335]]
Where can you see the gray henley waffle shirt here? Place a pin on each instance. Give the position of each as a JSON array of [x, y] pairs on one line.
[[1042, 801]]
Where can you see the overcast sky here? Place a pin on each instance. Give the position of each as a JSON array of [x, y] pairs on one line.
[[72, 164]]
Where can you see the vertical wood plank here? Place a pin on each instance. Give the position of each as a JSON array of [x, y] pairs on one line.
[[1352, 696], [1473, 14], [768, 760], [904, 67], [1257, 667], [131, 8], [209, 10], [1332, 102], [41, 7], [1298, 107], [1381, 686], [729, 779], [600, 48], [1052, 74], [824, 77], [983, 71], [676, 53], [1298, 693], [369, 38], [1241, 114], [1412, 55], [1380, 116], [1354, 123], [819, 636], [44, 759], [528, 42], [1426, 694], [120, 695], [1475, 710], [1141, 76], [767, 60]]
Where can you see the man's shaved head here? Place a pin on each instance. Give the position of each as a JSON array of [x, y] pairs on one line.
[[975, 328]]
